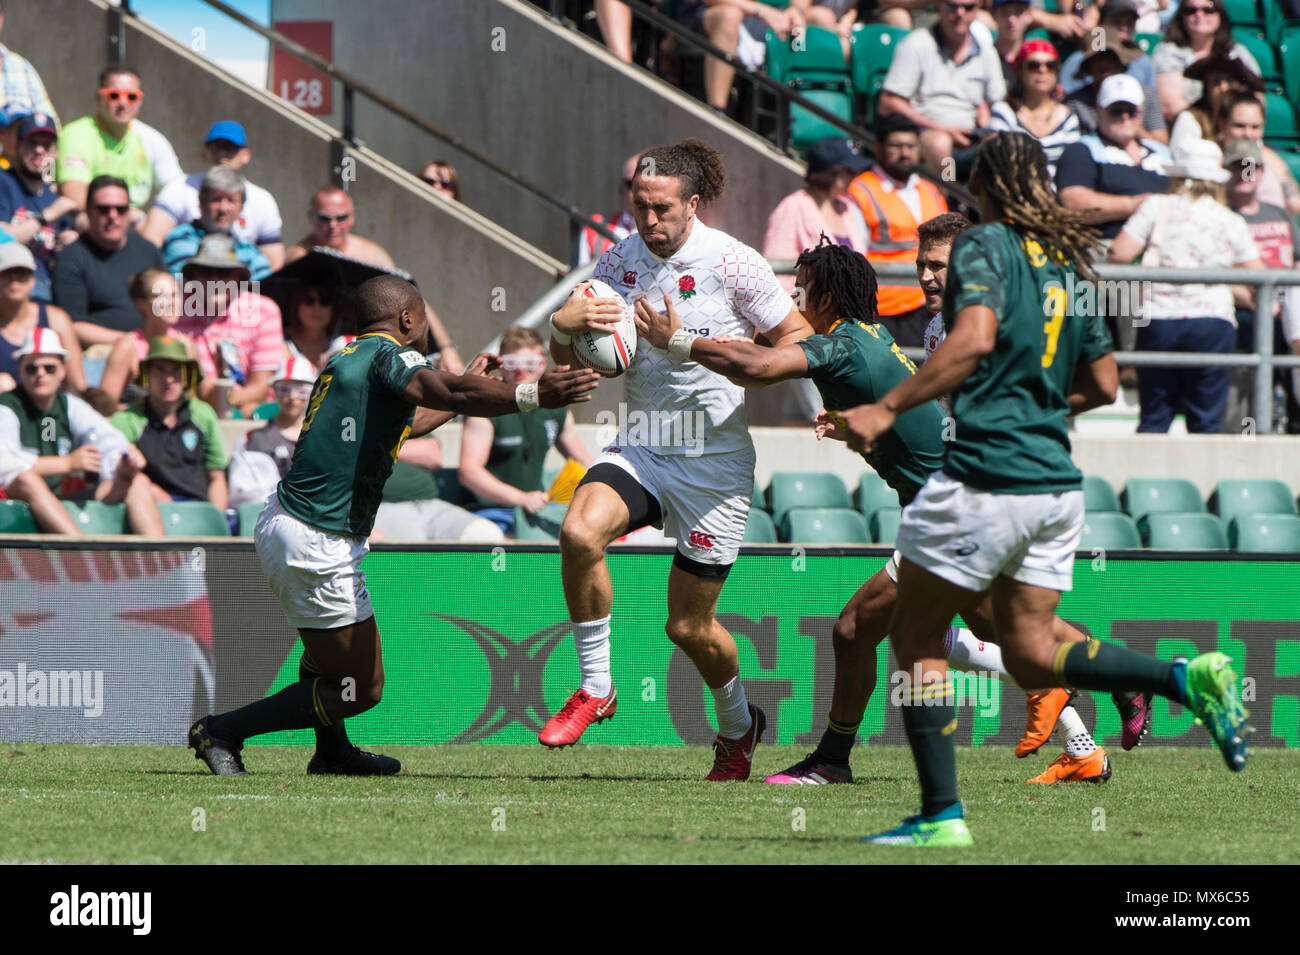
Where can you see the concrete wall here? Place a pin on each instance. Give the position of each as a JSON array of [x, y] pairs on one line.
[[539, 99], [474, 273]]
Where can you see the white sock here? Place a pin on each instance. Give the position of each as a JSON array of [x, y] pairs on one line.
[[591, 639], [732, 709], [967, 652], [1070, 729]]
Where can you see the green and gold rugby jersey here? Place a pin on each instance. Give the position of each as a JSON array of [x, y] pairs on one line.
[[355, 424], [857, 364], [1011, 435]]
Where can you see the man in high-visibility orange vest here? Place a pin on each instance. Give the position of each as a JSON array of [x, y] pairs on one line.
[[895, 201]]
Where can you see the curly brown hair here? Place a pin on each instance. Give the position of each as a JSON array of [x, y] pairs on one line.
[[697, 165]]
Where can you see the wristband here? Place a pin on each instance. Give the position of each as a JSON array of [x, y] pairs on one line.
[[559, 336], [39, 216], [526, 397], [679, 345]]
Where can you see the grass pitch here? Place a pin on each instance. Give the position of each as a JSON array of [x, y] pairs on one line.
[[512, 804]]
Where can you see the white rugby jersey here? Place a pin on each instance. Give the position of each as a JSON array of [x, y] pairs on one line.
[[934, 335], [719, 286]]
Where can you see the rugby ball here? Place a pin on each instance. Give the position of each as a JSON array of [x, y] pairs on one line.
[[607, 352]]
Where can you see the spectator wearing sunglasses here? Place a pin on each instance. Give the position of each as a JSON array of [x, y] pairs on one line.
[[501, 458], [92, 276], [442, 176], [113, 142], [1034, 106], [945, 79], [1200, 28], [314, 328]]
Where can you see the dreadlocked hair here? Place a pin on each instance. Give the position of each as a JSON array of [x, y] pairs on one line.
[[846, 276], [694, 162], [1011, 168]]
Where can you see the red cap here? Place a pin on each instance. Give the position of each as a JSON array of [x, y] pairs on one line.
[[1030, 47]]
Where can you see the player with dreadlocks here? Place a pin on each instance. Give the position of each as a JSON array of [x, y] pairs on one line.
[[852, 360], [1005, 513]]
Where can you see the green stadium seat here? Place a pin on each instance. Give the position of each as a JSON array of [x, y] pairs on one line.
[[96, 517], [16, 518], [1244, 14], [542, 526], [884, 524], [1280, 126], [812, 63], [1238, 498], [872, 493], [193, 519], [1109, 529], [1144, 496], [757, 500], [1148, 41], [1274, 21], [827, 525], [248, 514], [1288, 50], [1265, 534], [1098, 495], [1263, 53], [820, 52], [266, 411], [872, 52], [759, 529], [804, 489], [1290, 156], [1184, 531]]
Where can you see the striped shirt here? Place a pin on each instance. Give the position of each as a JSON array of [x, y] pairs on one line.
[[252, 325], [21, 84], [1054, 143]]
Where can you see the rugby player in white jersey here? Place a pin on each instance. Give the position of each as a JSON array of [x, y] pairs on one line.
[[694, 473]]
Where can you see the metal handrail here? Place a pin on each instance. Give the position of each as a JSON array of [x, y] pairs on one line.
[[784, 94], [352, 84]]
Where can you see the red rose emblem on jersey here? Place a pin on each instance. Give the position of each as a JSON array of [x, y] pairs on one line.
[[686, 286]]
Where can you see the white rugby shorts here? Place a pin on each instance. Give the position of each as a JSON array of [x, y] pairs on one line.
[[705, 498], [317, 575], [971, 537]]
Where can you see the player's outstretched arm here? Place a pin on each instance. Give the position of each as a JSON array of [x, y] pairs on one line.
[[1095, 385], [745, 363], [974, 334], [490, 398], [427, 419]]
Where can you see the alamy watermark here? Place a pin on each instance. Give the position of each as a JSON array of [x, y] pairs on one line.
[[976, 688], [55, 689], [1103, 298], [653, 429]]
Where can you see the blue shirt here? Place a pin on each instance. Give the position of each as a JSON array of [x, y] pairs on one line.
[[17, 201], [183, 244]]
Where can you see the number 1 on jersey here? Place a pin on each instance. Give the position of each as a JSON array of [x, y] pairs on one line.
[[1054, 306]]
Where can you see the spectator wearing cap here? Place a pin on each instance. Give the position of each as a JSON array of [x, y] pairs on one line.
[[1110, 55], [1278, 241], [1221, 77], [237, 333], [945, 80], [1200, 28], [69, 450], [176, 432], [1122, 17], [1189, 228], [113, 142], [1034, 106], [31, 210], [20, 84], [156, 298], [821, 207], [1241, 116], [91, 275], [894, 201], [292, 389], [221, 204], [501, 458], [258, 223], [1108, 174], [20, 317], [591, 244]]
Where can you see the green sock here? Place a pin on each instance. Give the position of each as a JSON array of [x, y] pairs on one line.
[[293, 708], [930, 730], [837, 741], [332, 741], [1093, 665]]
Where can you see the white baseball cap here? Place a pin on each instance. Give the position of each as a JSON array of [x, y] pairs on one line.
[[1120, 88], [1198, 159], [15, 255], [296, 369], [42, 341]]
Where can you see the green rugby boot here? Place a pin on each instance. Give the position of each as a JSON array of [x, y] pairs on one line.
[[1211, 688], [946, 828]]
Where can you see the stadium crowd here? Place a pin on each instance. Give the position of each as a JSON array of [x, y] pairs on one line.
[[134, 283]]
